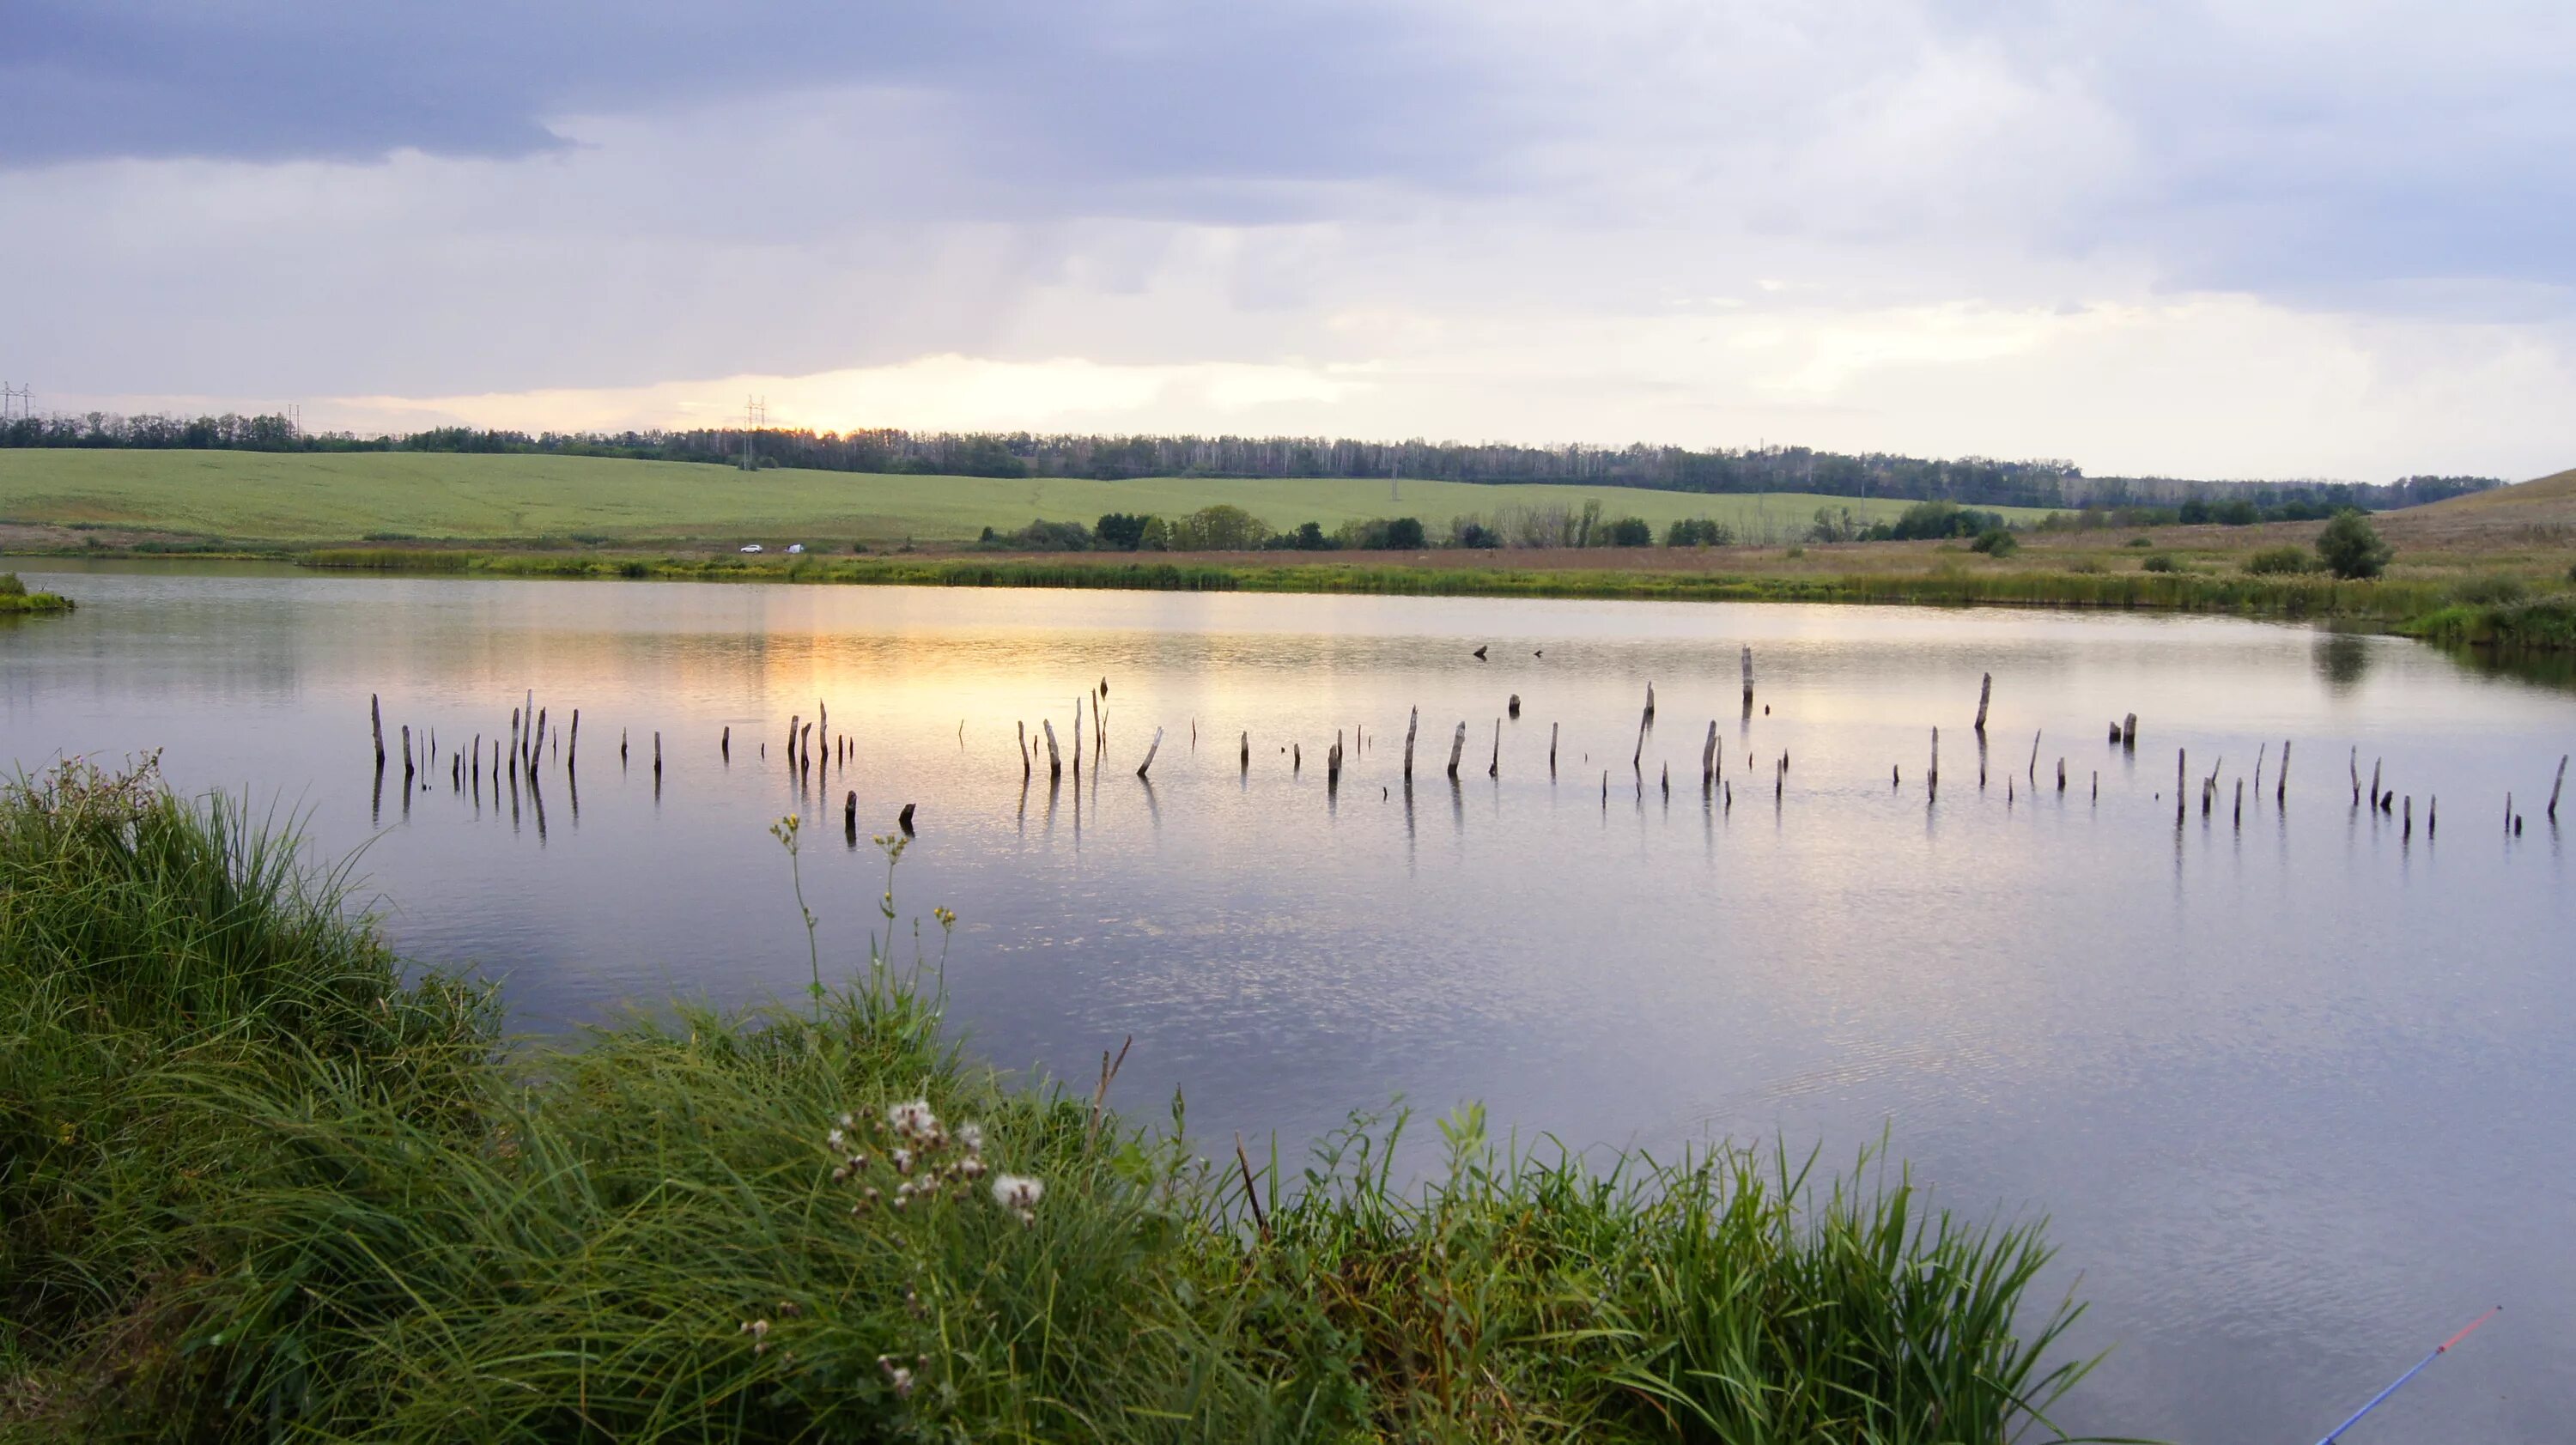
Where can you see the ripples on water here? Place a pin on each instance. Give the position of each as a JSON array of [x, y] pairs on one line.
[[2295, 1093]]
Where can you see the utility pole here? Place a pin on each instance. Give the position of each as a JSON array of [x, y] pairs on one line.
[[17, 402]]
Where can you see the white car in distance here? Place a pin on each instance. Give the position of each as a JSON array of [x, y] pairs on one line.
[[754, 547]]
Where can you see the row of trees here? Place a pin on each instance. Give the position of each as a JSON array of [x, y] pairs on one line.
[[1978, 481]]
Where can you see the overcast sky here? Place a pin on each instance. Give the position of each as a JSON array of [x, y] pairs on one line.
[[2268, 239]]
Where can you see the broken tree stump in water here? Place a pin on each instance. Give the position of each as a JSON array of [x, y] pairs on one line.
[[1457, 746], [1985, 693]]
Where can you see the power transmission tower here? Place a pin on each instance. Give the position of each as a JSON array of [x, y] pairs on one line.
[[18, 402], [755, 415]]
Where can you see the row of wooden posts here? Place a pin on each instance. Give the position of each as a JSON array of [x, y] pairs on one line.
[[531, 739]]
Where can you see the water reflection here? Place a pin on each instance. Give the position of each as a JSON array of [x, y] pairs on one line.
[[2209, 1028]]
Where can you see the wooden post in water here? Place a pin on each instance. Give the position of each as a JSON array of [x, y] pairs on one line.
[[2374, 783], [795, 720], [2097, 785], [2555, 784], [1513, 707], [1412, 720], [2129, 732], [2432, 815], [1494, 769], [1077, 740], [478, 765], [2354, 763], [1296, 758], [406, 742], [1650, 702], [850, 814], [2240, 807], [1024, 751], [1708, 759], [1932, 775], [2410, 818], [1143, 767], [1247, 753], [2258, 774], [2033, 774], [572, 742], [541, 734], [724, 745], [1458, 745], [2061, 775], [657, 756], [1551, 752], [1055, 761], [376, 720], [2281, 780], [1748, 679], [1985, 693], [2180, 776]]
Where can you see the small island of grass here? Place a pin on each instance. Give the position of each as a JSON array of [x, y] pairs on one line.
[[15, 598]]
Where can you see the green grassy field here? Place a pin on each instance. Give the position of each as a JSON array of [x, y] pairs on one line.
[[258, 497]]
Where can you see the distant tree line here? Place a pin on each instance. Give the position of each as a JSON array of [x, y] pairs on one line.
[[1978, 481]]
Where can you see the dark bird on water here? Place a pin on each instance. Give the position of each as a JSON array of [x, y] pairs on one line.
[[1480, 654], [1538, 652]]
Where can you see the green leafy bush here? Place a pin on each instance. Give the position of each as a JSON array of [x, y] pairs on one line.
[[2281, 561], [1995, 542], [2159, 562], [2351, 547]]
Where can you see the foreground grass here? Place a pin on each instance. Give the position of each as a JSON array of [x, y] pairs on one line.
[[259, 1181]]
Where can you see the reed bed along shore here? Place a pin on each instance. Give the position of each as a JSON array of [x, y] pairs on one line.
[[261, 1179], [2302, 596]]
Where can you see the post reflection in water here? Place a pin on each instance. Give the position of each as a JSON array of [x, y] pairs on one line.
[[2161, 1037]]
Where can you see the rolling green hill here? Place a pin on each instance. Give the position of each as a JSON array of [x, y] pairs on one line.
[[305, 498]]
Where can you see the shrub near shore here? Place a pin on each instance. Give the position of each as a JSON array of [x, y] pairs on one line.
[[262, 1179]]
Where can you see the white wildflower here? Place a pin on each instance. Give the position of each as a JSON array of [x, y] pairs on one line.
[[1017, 1192], [902, 1161], [837, 1138], [971, 1136], [913, 1119]]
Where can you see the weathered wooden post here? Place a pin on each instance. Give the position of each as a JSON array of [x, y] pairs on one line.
[[1985, 692], [621, 747], [1494, 769], [1247, 753], [2354, 763], [2410, 818], [2281, 780], [2555, 784], [1055, 761], [1551, 752], [1708, 759], [850, 814], [795, 721], [2115, 732], [2097, 785], [2033, 773], [2240, 807], [2180, 776], [1296, 758], [657, 756], [1932, 775], [478, 765], [1513, 707], [2061, 775], [724, 745], [1748, 679], [2258, 774], [1650, 702], [2374, 783], [1024, 751], [1457, 745], [406, 742], [541, 733], [2129, 732], [1412, 719], [572, 742], [1143, 767], [2432, 815], [376, 720], [1077, 740]]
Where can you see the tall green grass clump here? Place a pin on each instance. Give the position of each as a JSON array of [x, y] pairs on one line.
[[14, 597], [258, 1180]]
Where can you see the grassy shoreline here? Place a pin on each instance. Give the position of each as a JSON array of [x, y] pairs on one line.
[[260, 1178], [16, 600]]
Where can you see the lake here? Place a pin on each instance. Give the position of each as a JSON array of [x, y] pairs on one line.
[[2293, 1088]]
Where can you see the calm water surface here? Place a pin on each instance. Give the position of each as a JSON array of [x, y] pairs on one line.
[[2295, 1091]]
